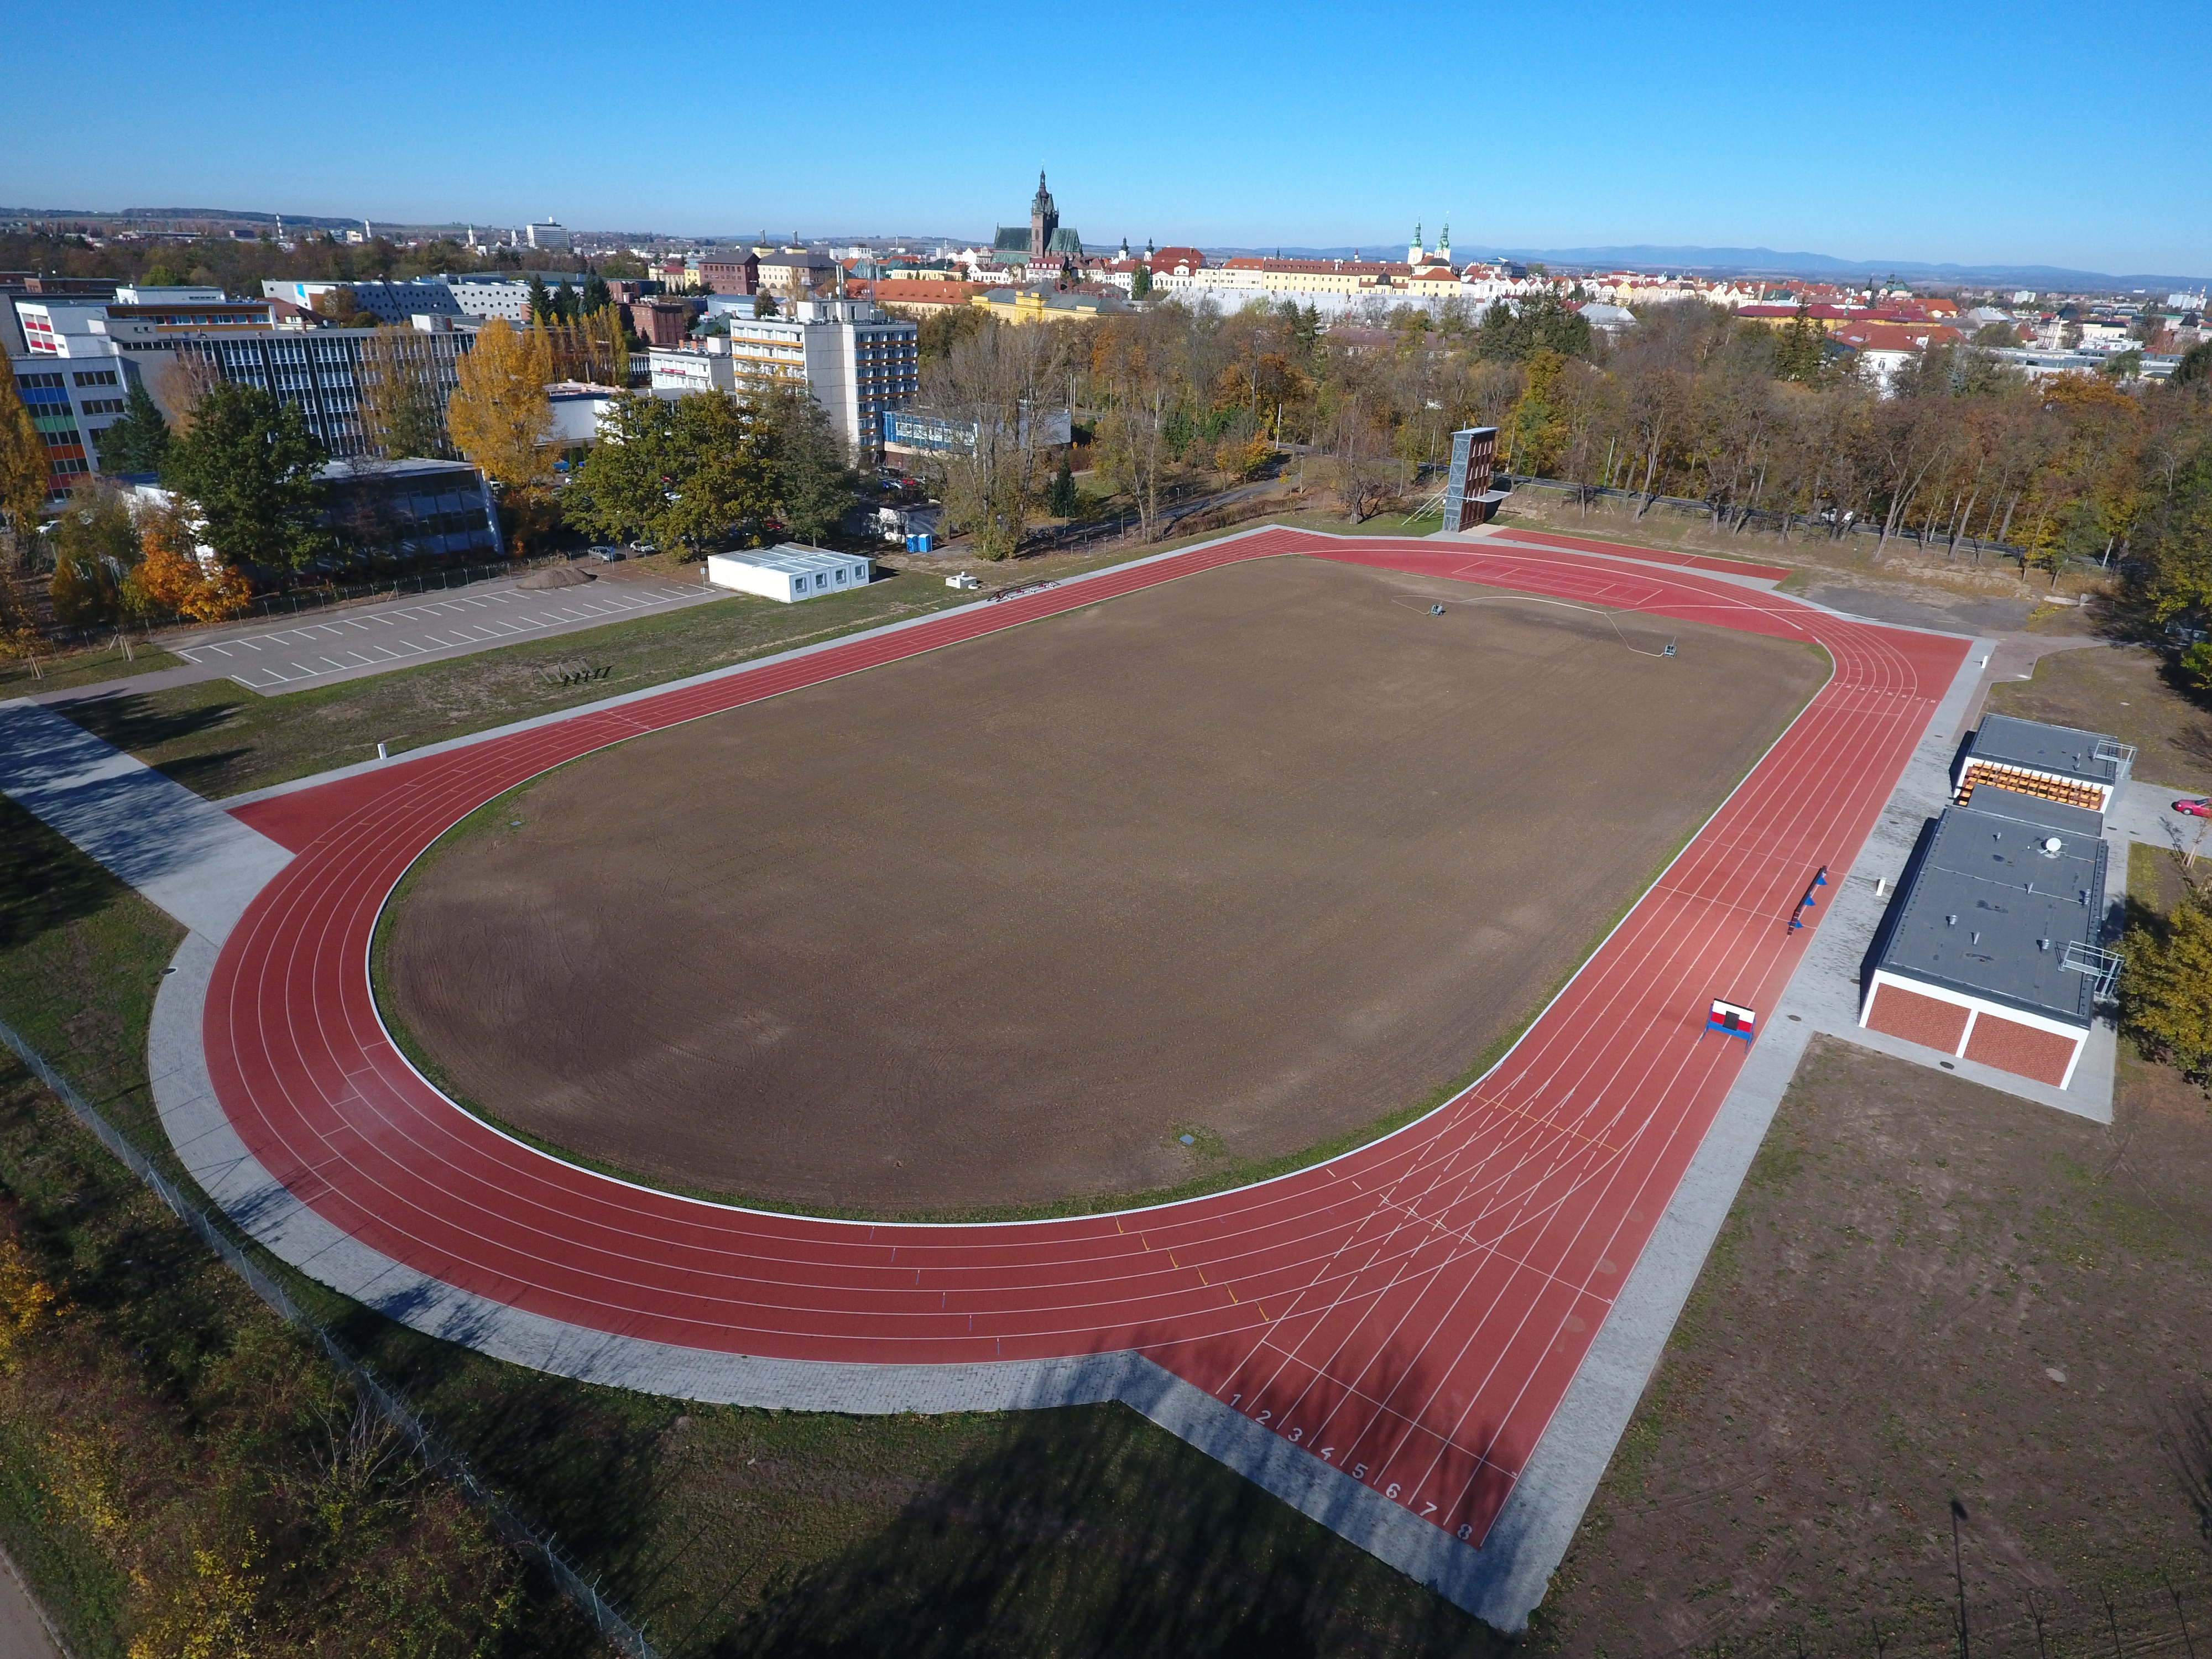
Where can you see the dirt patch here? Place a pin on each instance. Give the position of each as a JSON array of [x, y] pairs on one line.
[[1925, 1289], [2123, 691], [1255, 857], [558, 575]]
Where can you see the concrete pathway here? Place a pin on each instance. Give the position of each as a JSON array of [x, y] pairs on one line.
[[24, 1632], [185, 854]]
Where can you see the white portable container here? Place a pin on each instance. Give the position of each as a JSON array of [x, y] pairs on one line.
[[790, 573]]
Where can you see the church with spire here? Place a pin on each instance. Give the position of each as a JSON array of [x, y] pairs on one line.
[[1044, 241]]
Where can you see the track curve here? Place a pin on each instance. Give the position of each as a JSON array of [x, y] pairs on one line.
[[1411, 1312]]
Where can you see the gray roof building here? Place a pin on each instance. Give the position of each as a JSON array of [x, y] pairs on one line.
[[2052, 762], [2001, 895]]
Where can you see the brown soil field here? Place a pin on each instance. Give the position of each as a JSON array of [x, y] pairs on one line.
[[1926, 1289], [1259, 857]]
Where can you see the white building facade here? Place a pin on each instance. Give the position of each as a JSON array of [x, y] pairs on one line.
[[857, 362]]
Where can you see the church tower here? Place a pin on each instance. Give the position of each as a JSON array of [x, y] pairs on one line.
[[1443, 243], [1413, 253], [1044, 219]]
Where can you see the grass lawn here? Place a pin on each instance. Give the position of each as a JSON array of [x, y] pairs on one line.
[[1925, 1290], [20, 677], [2125, 691]]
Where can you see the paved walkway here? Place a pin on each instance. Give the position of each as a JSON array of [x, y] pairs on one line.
[[23, 1631], [185, 854]]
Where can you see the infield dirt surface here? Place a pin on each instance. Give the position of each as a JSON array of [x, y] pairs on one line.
[[1258, 857]]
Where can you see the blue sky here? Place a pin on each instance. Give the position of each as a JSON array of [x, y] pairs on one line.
[[2032, 134]]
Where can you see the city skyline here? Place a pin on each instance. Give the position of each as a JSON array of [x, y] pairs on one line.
[[1741, 130]]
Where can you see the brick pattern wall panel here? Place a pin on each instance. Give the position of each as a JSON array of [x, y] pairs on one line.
[[1928, 1021], [2020, 1049]]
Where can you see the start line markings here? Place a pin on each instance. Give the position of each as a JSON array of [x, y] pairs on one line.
[[287, 658]]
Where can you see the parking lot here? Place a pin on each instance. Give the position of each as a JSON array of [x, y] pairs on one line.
[[376, 639]]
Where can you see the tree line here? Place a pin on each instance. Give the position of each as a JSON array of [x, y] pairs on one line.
[[1769, 427], [244, 470]]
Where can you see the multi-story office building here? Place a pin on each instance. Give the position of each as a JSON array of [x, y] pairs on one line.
[[856, 361], [388, 303], [318, 370], [547, 234], [72, 401]]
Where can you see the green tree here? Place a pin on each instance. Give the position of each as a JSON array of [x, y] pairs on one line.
[[541, 302], [1991, 336], [2196, 364], [1802, 350], [2196, 666], [140, 440], [2165, 991], [811, 482], [1140, 282], [1511, 330], [596, 296], [1060, 499], [620, 489], [249, 466], [688, 474], [719, 483]]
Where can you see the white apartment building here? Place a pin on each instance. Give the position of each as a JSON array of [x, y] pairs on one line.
[[856, 361], [547, 234]]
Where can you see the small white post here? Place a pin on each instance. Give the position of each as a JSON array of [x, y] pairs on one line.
[[381, 753]]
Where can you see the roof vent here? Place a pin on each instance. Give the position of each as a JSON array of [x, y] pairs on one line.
[[2051, 845], [1952, 919], [2042, 944]]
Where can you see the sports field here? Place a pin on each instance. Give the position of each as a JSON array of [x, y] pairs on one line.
[[1258, 856]]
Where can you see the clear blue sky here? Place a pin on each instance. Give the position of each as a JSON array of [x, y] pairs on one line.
[[2032, 134]]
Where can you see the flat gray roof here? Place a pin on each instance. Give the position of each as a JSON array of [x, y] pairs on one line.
[[1988, 868], [2059, 750]]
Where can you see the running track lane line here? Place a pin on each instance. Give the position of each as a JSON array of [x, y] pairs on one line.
[[1411, 1312]]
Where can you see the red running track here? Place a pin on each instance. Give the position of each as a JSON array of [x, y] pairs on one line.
[[1641, 554], [1411, 1312]]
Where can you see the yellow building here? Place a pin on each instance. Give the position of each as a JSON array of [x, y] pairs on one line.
[[1043, 305]]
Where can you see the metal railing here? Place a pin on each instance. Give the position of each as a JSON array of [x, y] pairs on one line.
[[527, 1540]]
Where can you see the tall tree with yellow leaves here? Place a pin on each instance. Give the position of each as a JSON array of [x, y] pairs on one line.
[[499, 416], [22, 466]]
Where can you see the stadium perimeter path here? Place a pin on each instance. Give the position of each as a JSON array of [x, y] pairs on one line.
[[1385, 1340]]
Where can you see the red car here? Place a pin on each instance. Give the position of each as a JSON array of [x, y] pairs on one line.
[[2195, 809]]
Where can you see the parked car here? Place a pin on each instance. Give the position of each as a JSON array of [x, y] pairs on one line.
[[2195, 809], [608, 555]]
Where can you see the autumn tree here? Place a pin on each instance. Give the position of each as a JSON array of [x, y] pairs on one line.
[[95, 546], [24, 469], [170, 580], [499, 416], [2165, 993], [1001, 384], [250, 467]]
